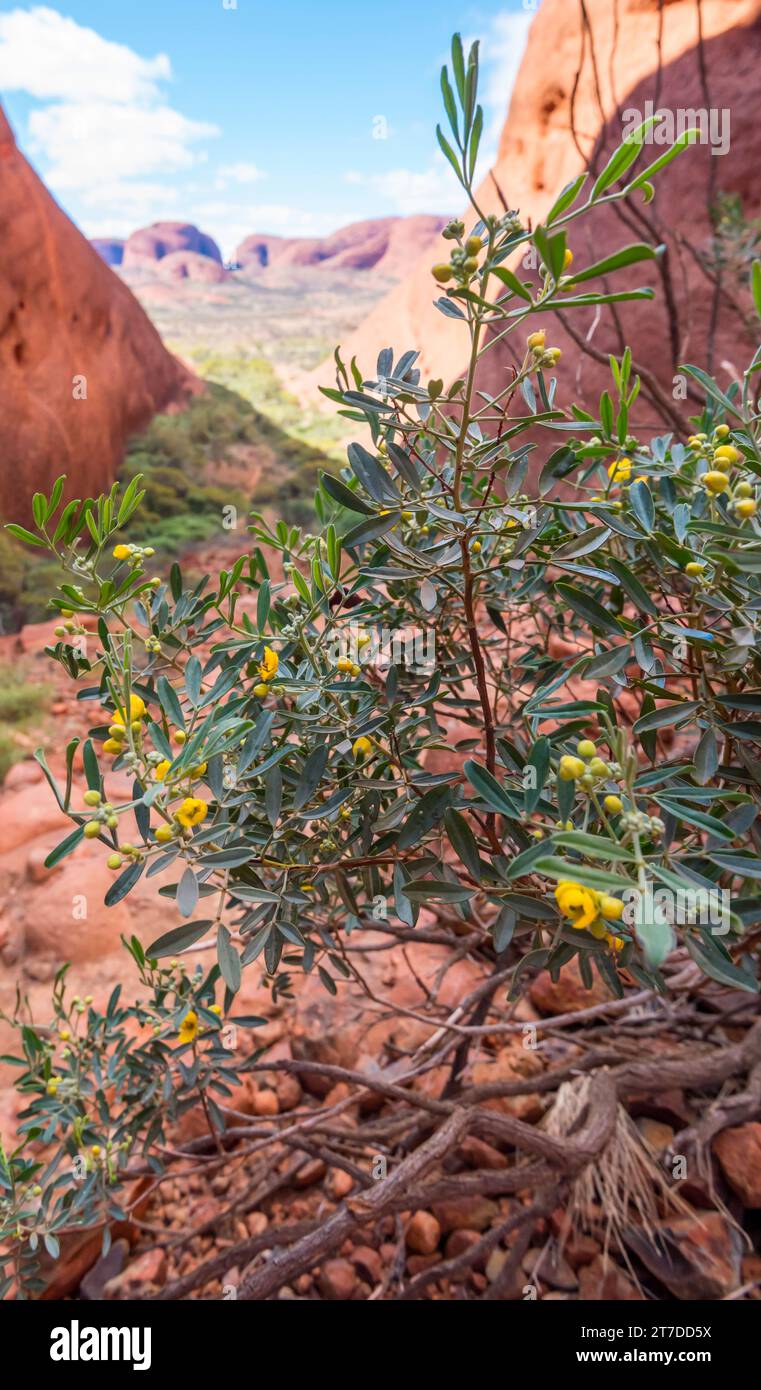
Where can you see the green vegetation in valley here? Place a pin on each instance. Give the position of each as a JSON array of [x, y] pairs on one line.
[[21, 701]]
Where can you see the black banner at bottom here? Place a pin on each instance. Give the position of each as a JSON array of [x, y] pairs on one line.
[[209, 1338]]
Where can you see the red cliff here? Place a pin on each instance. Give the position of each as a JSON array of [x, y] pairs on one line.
[[570, 107], [81, 366]]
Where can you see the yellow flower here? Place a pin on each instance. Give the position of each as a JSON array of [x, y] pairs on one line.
[[616, 942], [164, 833], [746, 507], [121, 552], [268, 664], [113, 745], [693, 568], [728, 452], [536, 340], [614, 804], [578, 903], [619, 471], [161, 769], [214, 1009], [136, 711], [568, 258], [189, 1027], [192, 811], [361, 748]]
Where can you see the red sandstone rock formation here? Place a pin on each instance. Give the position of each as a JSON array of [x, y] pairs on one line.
[[151, 244], [388, 245], [189, 265], [81, 365], [568, 109]]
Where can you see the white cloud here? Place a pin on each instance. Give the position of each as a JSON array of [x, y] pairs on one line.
[[49, 56], [104, 124], [239, 173], [408, 191], [81, 140], [117, 209]]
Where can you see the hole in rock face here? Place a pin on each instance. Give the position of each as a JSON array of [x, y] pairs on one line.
[[18, 352], [550, 102]]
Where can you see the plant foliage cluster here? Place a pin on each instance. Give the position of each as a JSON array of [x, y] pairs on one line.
[[281, 762]]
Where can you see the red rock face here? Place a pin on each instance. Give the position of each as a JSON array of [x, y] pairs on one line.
[[189, 265], [151, 244], [81, 365], [570, 107], [388, 245]]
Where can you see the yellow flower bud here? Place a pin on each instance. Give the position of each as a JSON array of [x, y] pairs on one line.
[[570, 768], [728, 452], [715, 481], [613, 804], [612, 909]]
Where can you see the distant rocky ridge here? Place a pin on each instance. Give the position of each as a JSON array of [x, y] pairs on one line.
[[81, 364], [162, 239], [387, 245], [180, 251]]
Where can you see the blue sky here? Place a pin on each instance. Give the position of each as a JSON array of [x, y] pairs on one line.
[[263, 115]]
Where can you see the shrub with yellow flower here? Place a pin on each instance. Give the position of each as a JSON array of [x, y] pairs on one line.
[[192, 811]]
